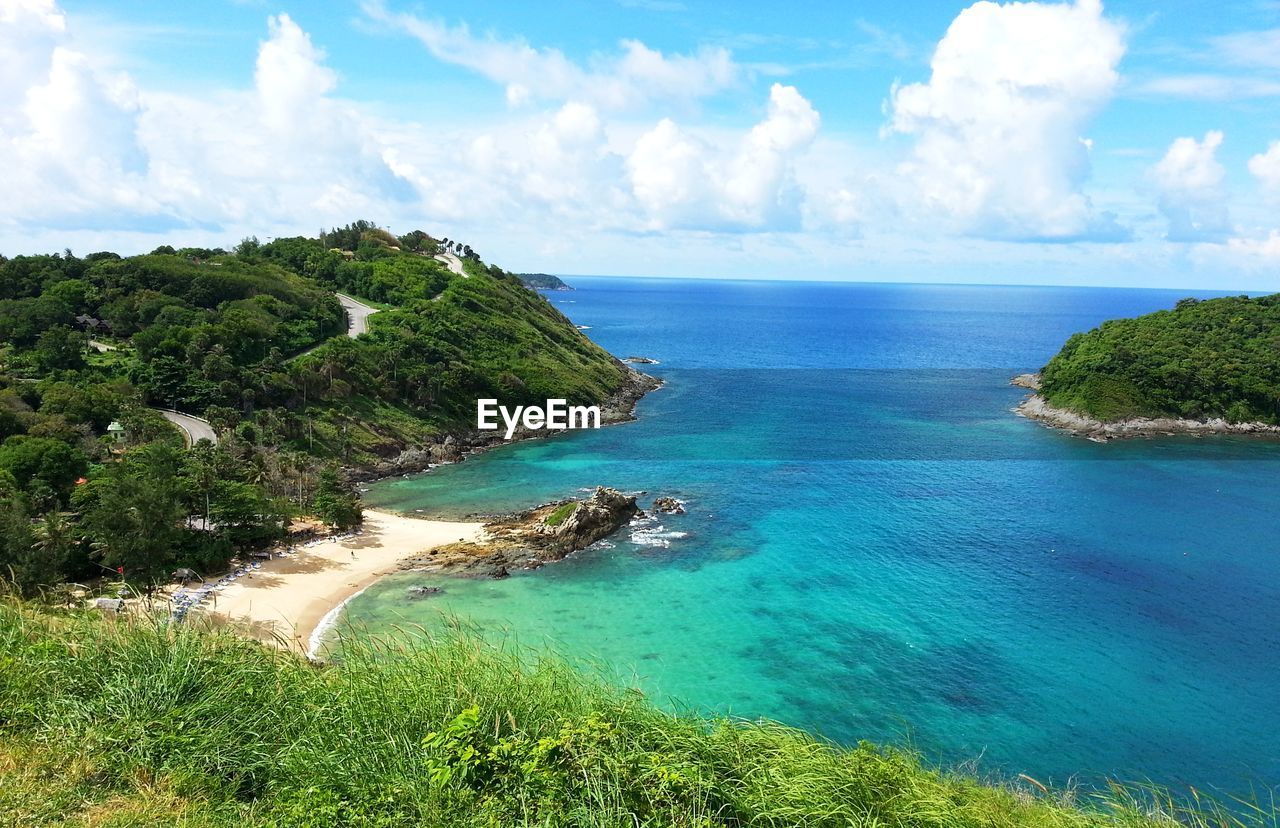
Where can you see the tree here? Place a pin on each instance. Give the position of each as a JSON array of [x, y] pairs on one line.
[[43, 465], [60, 348], [133, 513], [337, 502]]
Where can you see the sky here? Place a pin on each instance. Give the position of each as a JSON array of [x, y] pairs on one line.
[[1131, 143]]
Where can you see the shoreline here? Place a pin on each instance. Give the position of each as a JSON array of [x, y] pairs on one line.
[[1036, 407], [289, 601], [295, 600], [619, 408]]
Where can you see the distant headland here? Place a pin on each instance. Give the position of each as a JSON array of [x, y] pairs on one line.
[[1204, 367]]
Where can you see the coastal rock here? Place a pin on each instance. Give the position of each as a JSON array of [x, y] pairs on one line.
[[1036, 407], [639, 360], [1028, 381], [530, 539], [591, 519], [668, 505], [416, 592]]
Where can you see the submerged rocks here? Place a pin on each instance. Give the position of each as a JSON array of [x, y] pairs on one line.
[[668, 505], [416, 592]]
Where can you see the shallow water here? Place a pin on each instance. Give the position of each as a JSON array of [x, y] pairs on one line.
[[875, 548]]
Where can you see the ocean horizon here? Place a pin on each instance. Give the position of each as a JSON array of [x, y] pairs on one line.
[[875, 547]]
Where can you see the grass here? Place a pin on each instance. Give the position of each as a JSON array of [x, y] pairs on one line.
[[135, 723], [562, 511]]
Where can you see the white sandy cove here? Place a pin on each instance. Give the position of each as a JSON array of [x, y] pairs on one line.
[[285, 600]]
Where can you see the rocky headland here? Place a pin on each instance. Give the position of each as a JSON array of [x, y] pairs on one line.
[[1036, 407]]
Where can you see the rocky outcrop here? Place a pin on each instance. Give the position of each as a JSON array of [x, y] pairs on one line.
[[1028, 381], [530, 539], [640, 360], [417, 592], [1036, 407], [588, 521], [668, 505]]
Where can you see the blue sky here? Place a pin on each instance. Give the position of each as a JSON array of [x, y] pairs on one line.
[[1125, 143]]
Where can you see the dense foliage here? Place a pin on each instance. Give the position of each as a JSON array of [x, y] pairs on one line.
[[1201, 360], [134, 723], [543, 281], [254, 340]]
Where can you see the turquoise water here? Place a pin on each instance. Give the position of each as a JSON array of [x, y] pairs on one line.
[[875, 548]]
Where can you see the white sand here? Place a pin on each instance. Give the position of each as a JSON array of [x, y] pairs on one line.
[[285, 600]]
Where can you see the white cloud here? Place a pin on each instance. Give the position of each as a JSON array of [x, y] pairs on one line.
[[683, 181], [1265, 167], [1255, 49], [1208, 87], [634, 76], [87, 148], [998, 126], [1189, 179], [67, 131], [1267, 250]]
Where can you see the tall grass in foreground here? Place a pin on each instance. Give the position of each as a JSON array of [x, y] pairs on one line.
[[144, 724]]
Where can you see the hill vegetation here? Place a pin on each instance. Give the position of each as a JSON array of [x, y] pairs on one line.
[[1216, 358], [254, 340], [543, 281], [131, 722]]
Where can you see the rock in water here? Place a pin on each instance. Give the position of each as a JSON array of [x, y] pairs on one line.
[[668, 505], [424, 591], [592, 519]]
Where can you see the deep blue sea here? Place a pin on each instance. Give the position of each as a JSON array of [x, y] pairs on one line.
[[876, 548]]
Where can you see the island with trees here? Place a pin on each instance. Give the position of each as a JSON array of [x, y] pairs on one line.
[[1204, 366]]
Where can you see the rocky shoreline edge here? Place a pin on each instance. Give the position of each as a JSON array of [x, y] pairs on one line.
[[534, 537], [457, 446], [1036, 407]]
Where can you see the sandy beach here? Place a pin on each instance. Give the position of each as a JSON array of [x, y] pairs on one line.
[[284, 600]]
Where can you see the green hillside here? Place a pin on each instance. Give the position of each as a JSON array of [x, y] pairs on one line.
[[255, 341], [1201, 360], [131, 723]]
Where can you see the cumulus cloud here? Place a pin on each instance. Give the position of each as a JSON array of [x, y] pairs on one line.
[[1190, 180], [998, 127], [1265, 167], [86, 146], [636, 75], [684, 181], [68, 132]]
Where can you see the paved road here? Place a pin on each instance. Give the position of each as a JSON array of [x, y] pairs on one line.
[[194, 428], [358, 315], [454, 263]]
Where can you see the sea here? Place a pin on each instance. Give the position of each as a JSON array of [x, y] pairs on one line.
[[876, 548]]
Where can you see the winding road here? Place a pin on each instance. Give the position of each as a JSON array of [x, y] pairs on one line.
[[194, 428], [454, 263], [358, 315]]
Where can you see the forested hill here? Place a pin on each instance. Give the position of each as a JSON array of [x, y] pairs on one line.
[[253, 340], [256, 341], [1204, 359]]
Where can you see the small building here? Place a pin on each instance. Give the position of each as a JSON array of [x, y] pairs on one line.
[[116, 430]]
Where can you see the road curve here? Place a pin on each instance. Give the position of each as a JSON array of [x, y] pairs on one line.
[[194, 428], [454, 263], [358, 315]]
